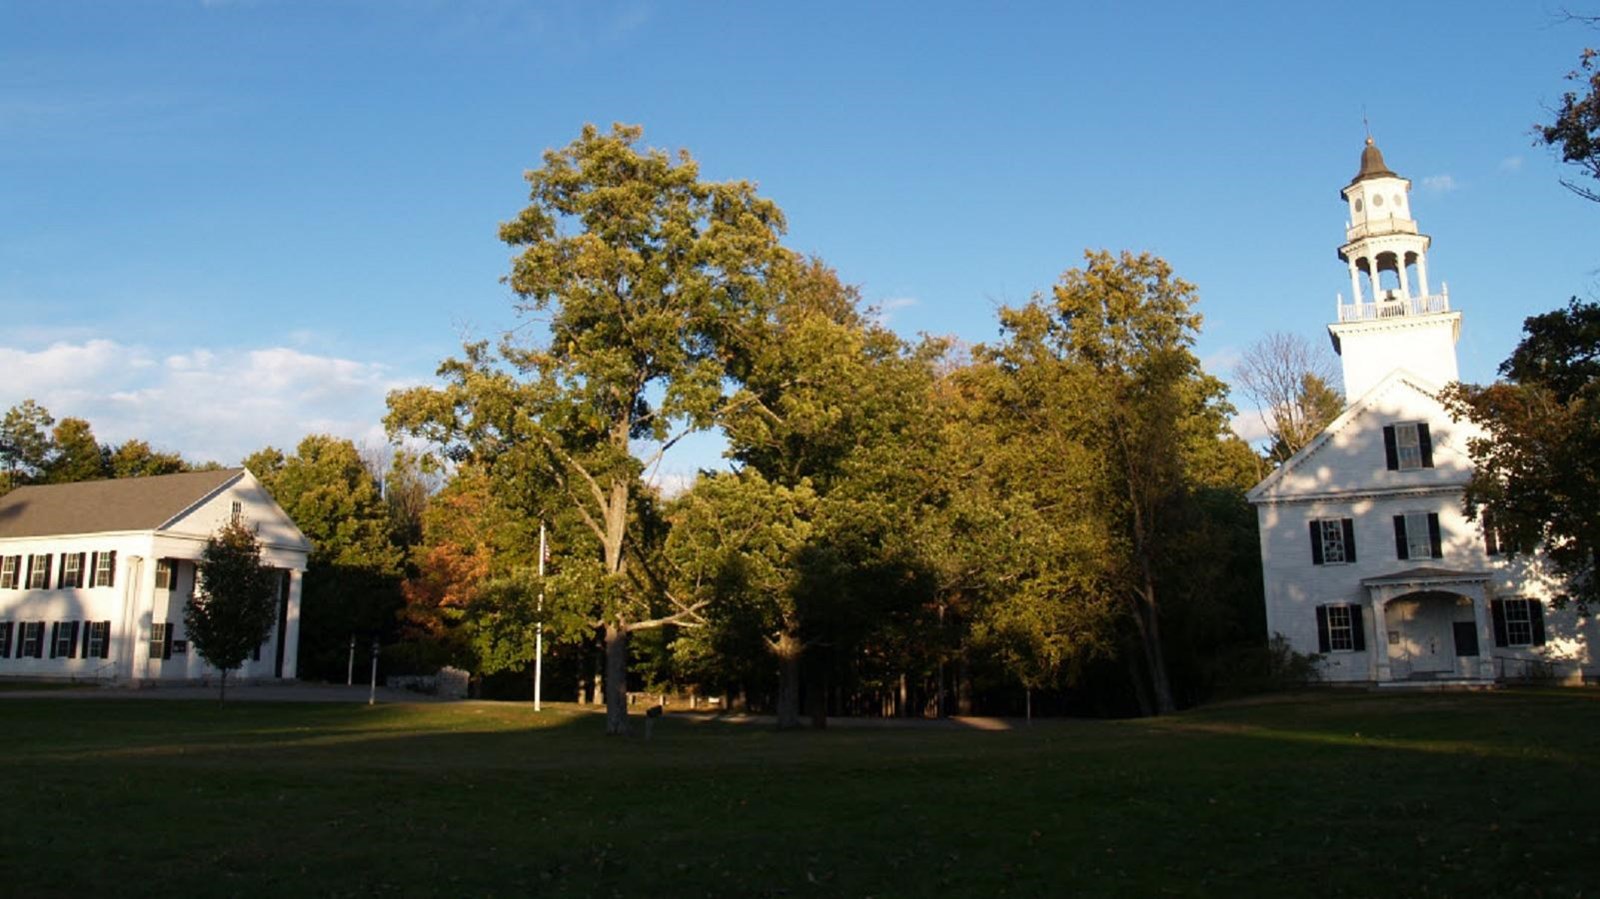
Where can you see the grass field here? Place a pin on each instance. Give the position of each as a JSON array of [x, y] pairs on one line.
[[1487, 794]]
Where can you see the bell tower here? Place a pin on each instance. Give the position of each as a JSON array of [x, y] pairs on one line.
[[1393, 320]]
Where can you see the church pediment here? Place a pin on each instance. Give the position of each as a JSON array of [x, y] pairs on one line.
[[1397, 437]]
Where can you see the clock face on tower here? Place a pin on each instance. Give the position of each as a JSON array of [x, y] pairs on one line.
[[1377, 201], [1358, 204], [1399, 201]]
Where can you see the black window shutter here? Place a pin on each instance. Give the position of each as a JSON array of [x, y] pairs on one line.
[[1316, 543], [5, 639], [111, 579], [1391, 455], [1491, 545], [72, 642], [1497, 611], [1402, 549], [55, 626], [1425, 443], [61, 574], [88, 628], [105, 642], [1322, 629], [1435, 539], [27, 580], [166, 643], [38, 646], [1536, 615], [81, 569], [1349, 539], [94, 565], [47, 559], [1358, 630]]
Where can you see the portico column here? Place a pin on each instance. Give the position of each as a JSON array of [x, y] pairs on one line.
[[291, 629], [1355, 282], [1485, 624], [1400, 272], [1372, 275], [1422, 273], [1378, 656]]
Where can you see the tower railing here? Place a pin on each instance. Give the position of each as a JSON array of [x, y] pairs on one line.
[[1392, 224], [1394, 306]]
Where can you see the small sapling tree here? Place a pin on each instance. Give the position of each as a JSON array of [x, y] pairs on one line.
[[232, 614]]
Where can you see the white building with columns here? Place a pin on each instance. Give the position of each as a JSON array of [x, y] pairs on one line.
[[1367, 557], [94, 576]]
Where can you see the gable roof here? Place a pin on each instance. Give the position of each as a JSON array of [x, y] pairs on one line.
[[92, 507], [1351, 412]]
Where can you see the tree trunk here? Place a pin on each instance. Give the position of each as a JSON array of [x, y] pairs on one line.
[[1149, 619], [963, 686], [1027, 701], [222, 694], [788, 649], [616, 679]]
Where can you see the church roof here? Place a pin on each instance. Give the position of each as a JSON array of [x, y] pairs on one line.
[[1372, 165], [124, 504]]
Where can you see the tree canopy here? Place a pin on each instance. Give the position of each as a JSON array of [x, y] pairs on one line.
[[233, 610], [640, 271], [1536, 466]]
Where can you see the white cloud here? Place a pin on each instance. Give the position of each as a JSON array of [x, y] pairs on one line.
[[209, 403], [1251, 426], [883, 310], [1439, 184], [1222, 362], [1511, 164]]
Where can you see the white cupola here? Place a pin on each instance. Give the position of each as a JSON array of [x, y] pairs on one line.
[[1393, 320]]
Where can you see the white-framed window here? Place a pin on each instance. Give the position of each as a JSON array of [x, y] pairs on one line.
[[1419, 545], [1333, 541], [1407, 447], [66, 639], [38, 571], [96, 642], [10, 572], [72, 570], [161, 640], [236, 513], [1519, 623], [30, 644], [1340, 629], [166, 574], [105, 570]]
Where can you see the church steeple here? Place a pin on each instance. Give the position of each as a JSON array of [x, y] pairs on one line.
[[1394, 319]]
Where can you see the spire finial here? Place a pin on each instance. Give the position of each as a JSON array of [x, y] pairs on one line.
[[1366, 125]]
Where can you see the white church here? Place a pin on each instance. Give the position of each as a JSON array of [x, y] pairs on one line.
[[1367, 557]]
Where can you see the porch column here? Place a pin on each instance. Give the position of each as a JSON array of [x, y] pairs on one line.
[[1378, 646], [291, 630], [1485, 624]]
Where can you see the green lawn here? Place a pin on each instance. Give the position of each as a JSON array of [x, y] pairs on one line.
[[1334, 794]]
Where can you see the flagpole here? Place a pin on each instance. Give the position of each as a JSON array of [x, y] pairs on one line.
[[538, 630]]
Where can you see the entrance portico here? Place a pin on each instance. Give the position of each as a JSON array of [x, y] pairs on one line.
[[1430, 624]]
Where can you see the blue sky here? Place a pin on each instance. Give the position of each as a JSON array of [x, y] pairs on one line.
[[227, 224]]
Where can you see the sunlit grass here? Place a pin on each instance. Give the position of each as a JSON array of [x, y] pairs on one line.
[[1321, 795]]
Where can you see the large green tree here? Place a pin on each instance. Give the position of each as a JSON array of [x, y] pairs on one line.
[[77, 455], [640, 270], [233, 611], [1536, 465], [25, 443], [1107, 359], [352, 581]]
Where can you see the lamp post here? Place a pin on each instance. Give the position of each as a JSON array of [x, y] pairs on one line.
[[350, 667], [372, 690], [538, 629]]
